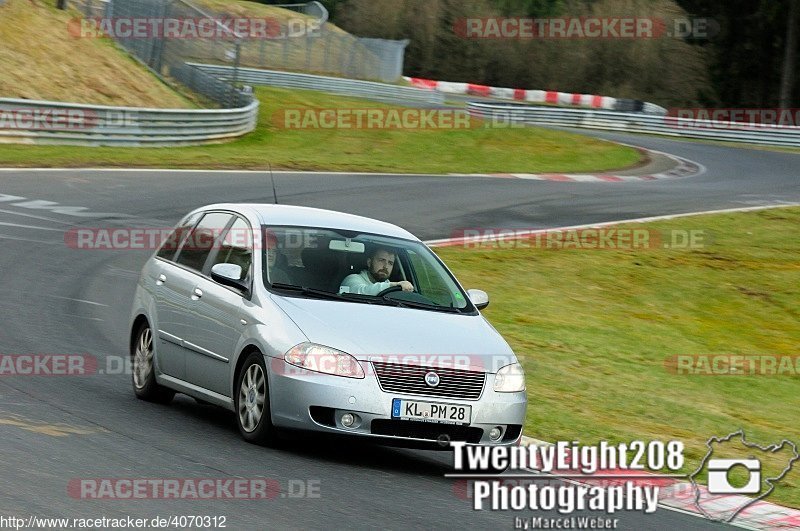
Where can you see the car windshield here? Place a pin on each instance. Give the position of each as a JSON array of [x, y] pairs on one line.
[[358, 267]]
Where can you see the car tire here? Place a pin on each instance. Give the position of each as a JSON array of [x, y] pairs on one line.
[[143, 374], [253, 413]]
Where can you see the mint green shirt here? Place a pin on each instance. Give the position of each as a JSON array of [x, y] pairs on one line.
[[363, 284]]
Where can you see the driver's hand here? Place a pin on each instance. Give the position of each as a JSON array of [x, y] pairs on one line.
[[406, 285]]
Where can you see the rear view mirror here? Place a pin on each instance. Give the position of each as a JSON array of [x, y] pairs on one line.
[[229, 275], [348, 246]]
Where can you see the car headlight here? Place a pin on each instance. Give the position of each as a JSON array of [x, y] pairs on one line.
[[510, 379], [323, 359]]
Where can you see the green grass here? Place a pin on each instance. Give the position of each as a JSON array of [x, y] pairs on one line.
[[415, 151], [41, 60], [594, 328]]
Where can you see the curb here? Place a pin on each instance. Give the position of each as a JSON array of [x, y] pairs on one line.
[[683, 168], [552, 97], [679, 496]]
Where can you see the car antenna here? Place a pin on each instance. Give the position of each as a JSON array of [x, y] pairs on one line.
[[272, 178]]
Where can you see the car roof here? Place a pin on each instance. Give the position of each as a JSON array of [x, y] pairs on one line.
[[298, 216]]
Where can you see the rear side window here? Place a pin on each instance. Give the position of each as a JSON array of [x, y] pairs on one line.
[[201, 240], [173, 241]]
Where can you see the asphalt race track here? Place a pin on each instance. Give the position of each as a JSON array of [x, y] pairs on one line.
[[65, 301]]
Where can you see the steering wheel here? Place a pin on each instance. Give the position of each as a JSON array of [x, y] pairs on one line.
[[390, 289]]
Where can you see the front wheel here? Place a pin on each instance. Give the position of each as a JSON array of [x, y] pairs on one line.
[[143, 374], [253, 414]]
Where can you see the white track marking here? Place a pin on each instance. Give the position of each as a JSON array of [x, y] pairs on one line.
[[78, 300], [31, 240], [6, 224], [35, 216]]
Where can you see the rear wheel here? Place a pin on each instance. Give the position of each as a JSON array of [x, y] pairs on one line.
[[253, 414], [144, 377]]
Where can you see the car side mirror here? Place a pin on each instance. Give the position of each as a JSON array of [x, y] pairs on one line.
[[229, 275], [479, 298]]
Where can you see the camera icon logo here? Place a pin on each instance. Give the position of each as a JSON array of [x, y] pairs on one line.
[[719, 476]]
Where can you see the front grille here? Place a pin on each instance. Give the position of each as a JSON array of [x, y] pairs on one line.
[[426, 430], [410, 379]]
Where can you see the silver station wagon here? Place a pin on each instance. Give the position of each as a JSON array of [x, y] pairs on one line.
[[301, 318]]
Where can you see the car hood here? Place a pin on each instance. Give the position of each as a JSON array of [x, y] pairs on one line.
[[406, 335]]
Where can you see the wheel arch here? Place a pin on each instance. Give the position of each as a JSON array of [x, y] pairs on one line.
[[243, 355]]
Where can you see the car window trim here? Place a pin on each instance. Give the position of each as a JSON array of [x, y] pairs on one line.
[[469, 309], [201, 274]]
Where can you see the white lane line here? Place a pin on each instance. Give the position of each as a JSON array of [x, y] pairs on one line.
[[35, 216], [200, 170], [680, 161], [82, 317], [78, 300], [31, 240], [29, 226]]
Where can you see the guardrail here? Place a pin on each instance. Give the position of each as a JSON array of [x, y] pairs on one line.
[[48, 122], [334, 85], [313, 9], [639, 123]]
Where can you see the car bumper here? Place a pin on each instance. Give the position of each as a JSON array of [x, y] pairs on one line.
[[307, 400]]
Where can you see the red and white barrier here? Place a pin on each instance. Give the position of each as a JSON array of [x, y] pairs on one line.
[[533, 96]]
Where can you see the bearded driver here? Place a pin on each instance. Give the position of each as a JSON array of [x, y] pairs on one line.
[[375, 278]]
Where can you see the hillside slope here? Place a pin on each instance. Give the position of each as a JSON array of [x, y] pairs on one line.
[[40, 60]]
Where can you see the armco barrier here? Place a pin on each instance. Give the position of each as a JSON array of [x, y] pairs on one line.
[[638, 123], [335, 85], [47, 122], [538, 96]]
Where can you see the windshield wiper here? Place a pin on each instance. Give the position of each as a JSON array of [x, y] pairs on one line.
[[422, 305], [322, 294], [369, 299], [307, 291]]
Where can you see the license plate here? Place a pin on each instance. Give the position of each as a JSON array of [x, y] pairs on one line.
[[431, 412]]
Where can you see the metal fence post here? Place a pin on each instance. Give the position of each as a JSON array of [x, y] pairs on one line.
[[235, 80], [327, 51], [262, 52]]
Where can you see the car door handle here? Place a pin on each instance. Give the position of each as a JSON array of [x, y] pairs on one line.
[[162, 278], [196, 294]]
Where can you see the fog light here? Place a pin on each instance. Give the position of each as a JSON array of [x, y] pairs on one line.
[[348, 419], [495, 433]]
